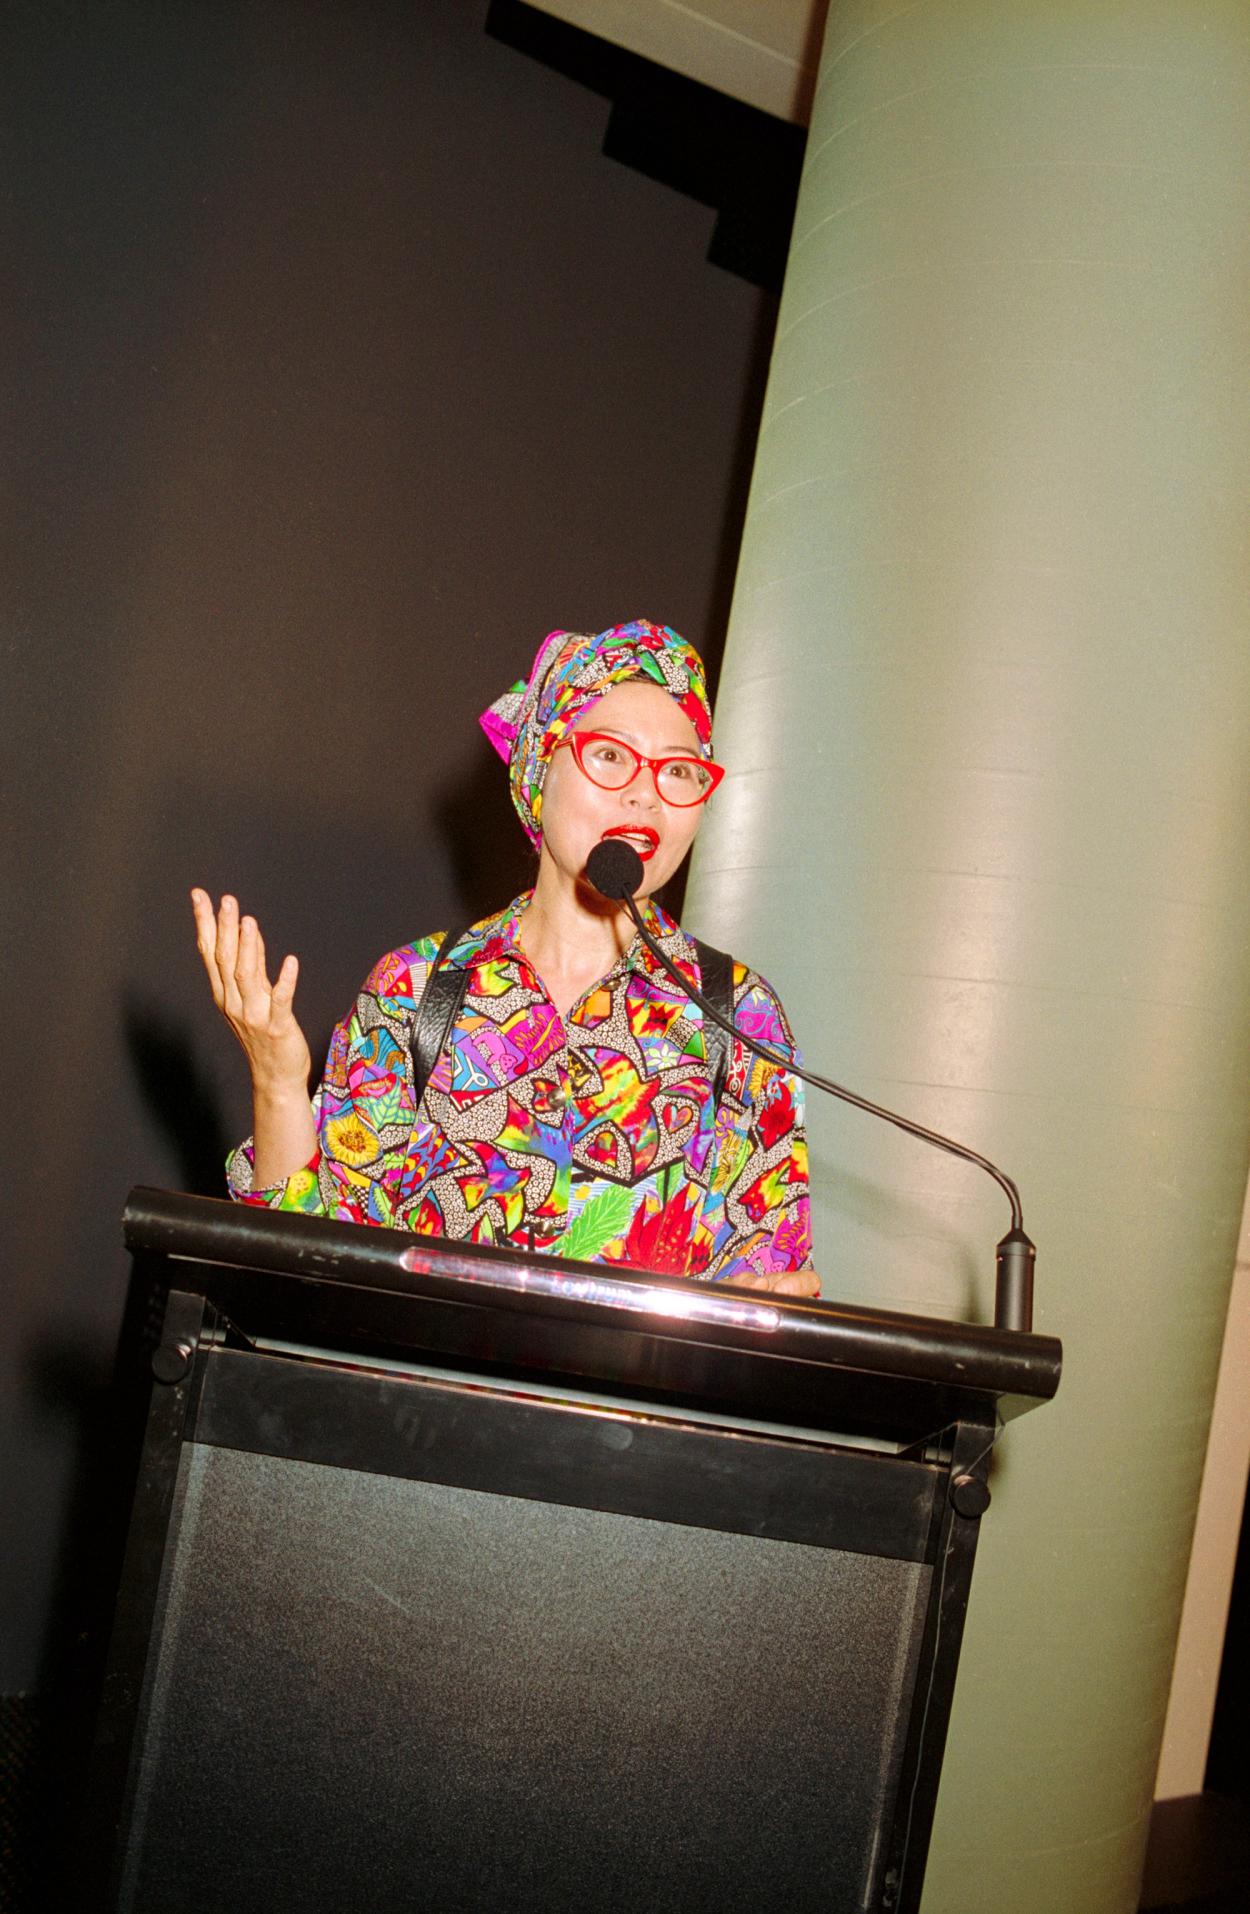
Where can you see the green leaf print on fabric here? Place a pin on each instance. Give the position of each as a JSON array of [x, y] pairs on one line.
[[604, 1217]]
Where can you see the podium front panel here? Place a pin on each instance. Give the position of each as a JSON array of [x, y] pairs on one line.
[[427, 1646]]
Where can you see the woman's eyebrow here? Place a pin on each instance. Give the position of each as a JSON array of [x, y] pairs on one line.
[[631, 737]]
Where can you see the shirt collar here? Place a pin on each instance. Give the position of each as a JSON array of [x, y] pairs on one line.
[[494, 938], [498, 939]]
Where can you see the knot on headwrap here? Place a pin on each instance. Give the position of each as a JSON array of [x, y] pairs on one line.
[[571, 670]]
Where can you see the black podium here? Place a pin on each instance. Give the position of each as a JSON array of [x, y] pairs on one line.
[[463, 1580]]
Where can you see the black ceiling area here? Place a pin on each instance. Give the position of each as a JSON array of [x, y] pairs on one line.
[[743, 162]]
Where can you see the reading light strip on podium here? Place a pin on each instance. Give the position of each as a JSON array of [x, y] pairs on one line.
[[698, 1306]]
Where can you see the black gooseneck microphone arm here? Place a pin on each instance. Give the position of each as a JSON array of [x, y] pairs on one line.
[[615, 870]]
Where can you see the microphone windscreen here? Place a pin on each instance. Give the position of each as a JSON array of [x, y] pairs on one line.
[[614, 868]]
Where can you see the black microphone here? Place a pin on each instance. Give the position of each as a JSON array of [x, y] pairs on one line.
[[615, 870]]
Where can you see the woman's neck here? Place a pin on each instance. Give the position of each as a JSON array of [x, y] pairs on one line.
[[570, 942]]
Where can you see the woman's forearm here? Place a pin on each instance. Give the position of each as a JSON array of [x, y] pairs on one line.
[[284, 1133]]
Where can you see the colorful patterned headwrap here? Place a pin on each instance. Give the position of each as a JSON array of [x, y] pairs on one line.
[[571, 670]]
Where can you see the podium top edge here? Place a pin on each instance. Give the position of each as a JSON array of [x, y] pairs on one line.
[[980, 1358]]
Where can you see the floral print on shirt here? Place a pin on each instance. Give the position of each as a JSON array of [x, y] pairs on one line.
[[591, 1136]]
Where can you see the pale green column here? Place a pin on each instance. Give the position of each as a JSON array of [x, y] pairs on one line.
[[986, 707]]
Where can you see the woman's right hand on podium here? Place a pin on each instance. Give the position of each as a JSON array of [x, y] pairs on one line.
[[260, 1014]]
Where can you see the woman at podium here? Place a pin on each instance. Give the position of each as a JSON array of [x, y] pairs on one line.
[[570, 1105]]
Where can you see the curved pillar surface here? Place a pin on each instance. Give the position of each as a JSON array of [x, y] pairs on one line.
[[986, 711]]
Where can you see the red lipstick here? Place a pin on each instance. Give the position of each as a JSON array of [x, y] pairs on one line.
[[644, 840]]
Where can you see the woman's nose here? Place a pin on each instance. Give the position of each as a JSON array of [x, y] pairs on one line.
[[642, 787]]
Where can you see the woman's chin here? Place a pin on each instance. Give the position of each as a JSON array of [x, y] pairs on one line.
[[592, 900]]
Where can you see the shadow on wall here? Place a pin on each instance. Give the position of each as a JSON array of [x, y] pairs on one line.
[[488, 853], [178, 1095]]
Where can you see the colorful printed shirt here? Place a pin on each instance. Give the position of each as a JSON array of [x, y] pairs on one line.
[[592, 1136]]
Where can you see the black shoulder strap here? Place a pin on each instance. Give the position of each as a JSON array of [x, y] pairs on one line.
[[716, 971], [436, 1013]]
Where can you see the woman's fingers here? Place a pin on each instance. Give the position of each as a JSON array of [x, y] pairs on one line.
[[227, 950], [789, 1282], [205, 922], [798, 1282], [249, 974], [233, 951], [284, 985], [206, 942], [259, 1013]]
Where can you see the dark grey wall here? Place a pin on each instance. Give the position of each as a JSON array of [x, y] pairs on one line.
[[343, 368]]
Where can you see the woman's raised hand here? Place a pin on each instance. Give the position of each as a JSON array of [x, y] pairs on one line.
[[259, 1013]]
